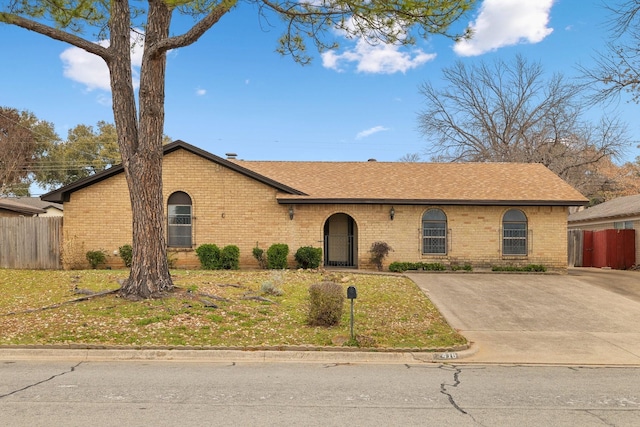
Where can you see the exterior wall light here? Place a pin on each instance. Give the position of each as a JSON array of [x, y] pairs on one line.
[[291, 212], [392, 213]]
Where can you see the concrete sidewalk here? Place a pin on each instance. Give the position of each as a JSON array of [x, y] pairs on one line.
[[541, 319]]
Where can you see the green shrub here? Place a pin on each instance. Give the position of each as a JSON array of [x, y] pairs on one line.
[[277, 256], [326, 303], [230, 257], [209, 256], [379, 251], [308, 257], [259, 255], [457, 267], [399, 267], [96, 258], [126, 253], [530, 267]]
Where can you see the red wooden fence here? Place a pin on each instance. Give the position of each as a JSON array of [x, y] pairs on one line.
[[609, 248]]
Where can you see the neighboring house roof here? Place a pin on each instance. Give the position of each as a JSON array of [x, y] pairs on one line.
[[37, 203], [616, 208], [19, 208], [387, 182]]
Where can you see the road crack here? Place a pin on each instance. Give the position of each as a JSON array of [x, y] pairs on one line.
[[456, 382], [604, 421], [73, 368]]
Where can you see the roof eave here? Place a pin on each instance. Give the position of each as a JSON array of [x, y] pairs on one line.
[[63, 194], [480, 202], [23, 210], [603, 218]]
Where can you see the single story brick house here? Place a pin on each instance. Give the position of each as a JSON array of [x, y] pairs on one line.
[[483, 214]]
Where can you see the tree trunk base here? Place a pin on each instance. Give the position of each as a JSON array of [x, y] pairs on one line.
[[136, 290]]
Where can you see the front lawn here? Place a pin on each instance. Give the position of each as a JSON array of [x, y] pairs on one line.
[[214, 309]]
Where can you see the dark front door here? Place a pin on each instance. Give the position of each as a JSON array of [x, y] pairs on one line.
[[340, 241]]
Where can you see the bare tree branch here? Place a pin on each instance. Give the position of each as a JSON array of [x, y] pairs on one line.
[[509, 112]]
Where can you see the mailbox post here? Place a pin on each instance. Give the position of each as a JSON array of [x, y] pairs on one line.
[[352, 294]]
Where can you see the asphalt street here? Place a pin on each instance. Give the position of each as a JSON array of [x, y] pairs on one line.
[[134, 393]]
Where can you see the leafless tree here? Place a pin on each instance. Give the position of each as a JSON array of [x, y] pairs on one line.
[[509, 112], [617, 69], [410, 158]]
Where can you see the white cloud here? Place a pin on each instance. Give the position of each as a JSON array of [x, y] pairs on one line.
[[507, 22], [376, 59], [91, 70], [372, 56], [371, 131], [201, 92]]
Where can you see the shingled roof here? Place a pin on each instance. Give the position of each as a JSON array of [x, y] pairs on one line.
[[19, 208], [35, 202], [419, 183], [616, 208], [386, 182]]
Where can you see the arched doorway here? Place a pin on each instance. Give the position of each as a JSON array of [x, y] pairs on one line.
[[340, 241]]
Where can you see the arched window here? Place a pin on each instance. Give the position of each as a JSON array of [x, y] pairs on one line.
[[434, 232], [514, 233], [179, 218]]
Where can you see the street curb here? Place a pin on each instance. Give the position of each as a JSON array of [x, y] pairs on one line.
[[249, 356]]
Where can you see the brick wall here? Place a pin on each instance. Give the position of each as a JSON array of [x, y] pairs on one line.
[[229, 208]]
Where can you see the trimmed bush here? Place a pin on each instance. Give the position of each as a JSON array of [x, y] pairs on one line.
[[457, 267], [326, 303], [308, 257], [379, 251], [259, 255], [126, 253], [230, 257], [209, 256], [527, 268], [96, 258], [277, 256], [399, 267]]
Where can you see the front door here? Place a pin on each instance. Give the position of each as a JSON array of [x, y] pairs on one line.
[[340, 241]]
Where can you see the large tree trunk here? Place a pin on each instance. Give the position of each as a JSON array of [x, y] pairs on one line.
[[140, 143]]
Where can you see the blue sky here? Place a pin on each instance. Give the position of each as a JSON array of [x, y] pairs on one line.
[[231, 92]]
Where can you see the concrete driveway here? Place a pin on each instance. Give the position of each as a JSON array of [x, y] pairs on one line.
[[589, 316]]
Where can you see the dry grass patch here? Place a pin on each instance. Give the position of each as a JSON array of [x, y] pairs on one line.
[[213, 308]]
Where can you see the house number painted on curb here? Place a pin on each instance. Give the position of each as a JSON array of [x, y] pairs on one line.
[[448, 355]]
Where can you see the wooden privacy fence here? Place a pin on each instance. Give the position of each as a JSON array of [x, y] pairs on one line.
[[602, 248], [30, 242], [575, 244]]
